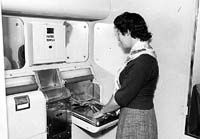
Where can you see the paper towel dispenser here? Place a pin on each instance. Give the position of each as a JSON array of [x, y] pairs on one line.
[[47, 43], [26, 108]]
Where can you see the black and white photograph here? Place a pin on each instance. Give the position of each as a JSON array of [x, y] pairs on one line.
[[100, 69]]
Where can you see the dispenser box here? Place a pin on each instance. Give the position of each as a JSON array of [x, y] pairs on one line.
[[46, 43], [27, 115]]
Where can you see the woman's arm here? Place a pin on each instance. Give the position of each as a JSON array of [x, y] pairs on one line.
[[130, 86], [109, 107], [133, 81]]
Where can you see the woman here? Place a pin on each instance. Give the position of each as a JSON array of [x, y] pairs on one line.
[[136, 82]]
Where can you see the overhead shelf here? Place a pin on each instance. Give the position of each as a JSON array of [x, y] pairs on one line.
[[75, 9]]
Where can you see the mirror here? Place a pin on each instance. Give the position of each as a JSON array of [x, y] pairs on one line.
[[13, 42]]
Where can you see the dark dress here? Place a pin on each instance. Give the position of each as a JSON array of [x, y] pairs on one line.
[[138, 83]]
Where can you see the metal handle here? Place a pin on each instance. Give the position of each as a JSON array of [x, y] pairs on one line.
[[22, 103]]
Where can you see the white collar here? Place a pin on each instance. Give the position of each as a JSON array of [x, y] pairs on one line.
[[139, 45], [140, 48]]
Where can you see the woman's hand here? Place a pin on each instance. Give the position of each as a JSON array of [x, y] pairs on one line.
[[109, 107], [98, 114]]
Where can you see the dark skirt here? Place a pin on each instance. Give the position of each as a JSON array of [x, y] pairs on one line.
[[137, 124]]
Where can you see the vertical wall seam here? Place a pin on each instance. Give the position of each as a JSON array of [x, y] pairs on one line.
[[193, 50]]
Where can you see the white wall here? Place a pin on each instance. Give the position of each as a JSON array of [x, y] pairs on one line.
[[172, 25], [196, 71]]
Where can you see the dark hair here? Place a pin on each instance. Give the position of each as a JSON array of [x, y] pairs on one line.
[[134, 23]]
